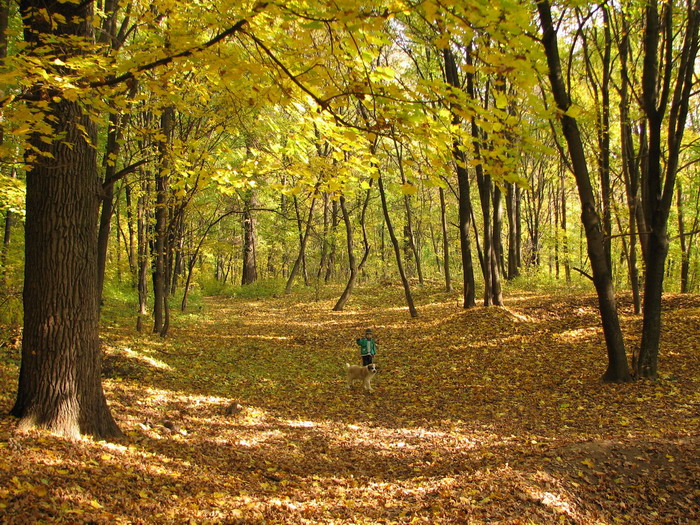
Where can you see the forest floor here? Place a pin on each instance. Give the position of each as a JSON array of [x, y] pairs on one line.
[[487, 415]]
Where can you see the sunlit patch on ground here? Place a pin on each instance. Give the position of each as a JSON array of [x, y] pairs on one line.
[[489, 415]]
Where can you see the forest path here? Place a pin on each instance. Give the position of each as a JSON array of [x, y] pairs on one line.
[[482, 415]]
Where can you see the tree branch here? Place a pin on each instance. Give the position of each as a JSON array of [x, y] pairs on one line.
[[579, 270], [122, 173], [166, 60]]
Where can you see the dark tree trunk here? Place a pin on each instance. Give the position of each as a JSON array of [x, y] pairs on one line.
[[397, 251], [497, 248], [323, 261], [303, 234], [630, 168], [686, 240], [59, 384], [250, 268], [107, 208], [132, 236], [411, 247], [160, 288], [658, 184], [340, 304], [302, 246], [143, 251], [445, 242], [513, 221], [6, 239], [331, 256], [9, 219], [465, 204], [617, 361]]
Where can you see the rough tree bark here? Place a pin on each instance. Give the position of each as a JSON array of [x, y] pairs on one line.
[[59, 384]]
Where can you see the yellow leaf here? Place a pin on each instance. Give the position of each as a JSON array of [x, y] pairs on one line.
[[95, 503], [573, 111], [409, 189]]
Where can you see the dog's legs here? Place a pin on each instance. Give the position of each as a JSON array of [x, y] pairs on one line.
[[368, 384]]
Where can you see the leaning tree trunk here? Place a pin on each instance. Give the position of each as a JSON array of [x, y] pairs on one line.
[[59, 384], [397, 251], [602, 278], [304, 237], [351, 259]]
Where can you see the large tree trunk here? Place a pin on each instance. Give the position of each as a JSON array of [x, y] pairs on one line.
[[617, 361], [59, 385]]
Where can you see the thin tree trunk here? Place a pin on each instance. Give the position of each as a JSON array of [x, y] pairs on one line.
[[331, 256], [302, 245], [630, 168], [513, 220], [465, 205], [143, 255], [397, 251], [410, 237], [617, 362], [340, 304], [250, 269], [9, 218], [160, 289], [658, 183], [497, 247], [445, 242], [111, 151]]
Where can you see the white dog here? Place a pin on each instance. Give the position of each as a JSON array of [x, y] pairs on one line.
[[361, 373]]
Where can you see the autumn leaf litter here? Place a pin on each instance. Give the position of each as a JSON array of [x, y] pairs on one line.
[[486, 415]]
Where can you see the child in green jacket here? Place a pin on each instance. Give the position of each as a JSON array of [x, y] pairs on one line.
[[368, 348]]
